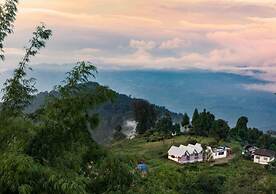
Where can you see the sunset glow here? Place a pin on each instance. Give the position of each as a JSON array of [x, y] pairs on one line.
[[227, 36]]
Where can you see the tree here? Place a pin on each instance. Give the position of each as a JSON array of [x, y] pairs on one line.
[[186, 120], [202, 123], [176, 129], [242, 123], [114, 175], [165, 125], [7, 18], [195, 116], [241, 130], [66, 117], [50, 155], [220, 129], [264, 141], [18, 90], [253, 135], [145, 114]]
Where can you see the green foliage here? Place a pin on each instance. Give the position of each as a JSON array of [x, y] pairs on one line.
[[145, 114], [220, 129], [252, 135], [240, 131], [165, 125], [115, 174], [185, 120], [65, 118], [195, 116], [202, 184], [202, 123], [176, 129], [51, 155], [7, 18], [165, 176], [19, 173], [242, 123], [18, 90], [272, 167]]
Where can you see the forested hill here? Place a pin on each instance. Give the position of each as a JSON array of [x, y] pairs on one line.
[[119, 112]]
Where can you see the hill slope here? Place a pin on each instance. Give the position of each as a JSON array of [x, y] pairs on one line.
[[120, 112], [165, 176]]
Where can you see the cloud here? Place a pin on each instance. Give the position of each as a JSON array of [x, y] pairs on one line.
[[267, 87], [142, 45], [237, 36], [173, 44]]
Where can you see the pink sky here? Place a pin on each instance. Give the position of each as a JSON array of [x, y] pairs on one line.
[[237, 36]]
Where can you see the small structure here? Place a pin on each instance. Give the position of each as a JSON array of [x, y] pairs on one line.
[[186, 154], [249, 151], [264, 156], [217, 153]]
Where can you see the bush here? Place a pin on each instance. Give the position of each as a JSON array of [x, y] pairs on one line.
[[115, 174]]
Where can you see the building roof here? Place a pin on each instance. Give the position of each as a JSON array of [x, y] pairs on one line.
[[176, 151], [218, 149], [264, 152], [182, 150]]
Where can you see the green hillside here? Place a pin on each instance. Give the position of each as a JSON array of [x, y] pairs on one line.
[[165, 176]]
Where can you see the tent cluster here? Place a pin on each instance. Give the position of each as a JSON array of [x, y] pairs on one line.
[[195, 153], [186, 154]]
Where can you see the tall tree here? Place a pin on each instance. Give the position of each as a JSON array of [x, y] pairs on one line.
[[165, 125], [145, 115], [242, 123], [185, 120], [202, 123], [195, 116], [241, 130]]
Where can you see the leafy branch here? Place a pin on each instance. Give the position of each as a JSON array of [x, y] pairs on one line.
[[7, 17], [19, 90]]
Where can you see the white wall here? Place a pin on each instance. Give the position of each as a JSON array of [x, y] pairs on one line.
[[217, 156], [173, 158], [262, 159]]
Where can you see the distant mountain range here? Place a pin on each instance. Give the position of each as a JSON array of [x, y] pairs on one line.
[[119, 112], [224, 94]]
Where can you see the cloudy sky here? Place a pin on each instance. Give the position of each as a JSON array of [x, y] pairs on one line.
[[237, 36]]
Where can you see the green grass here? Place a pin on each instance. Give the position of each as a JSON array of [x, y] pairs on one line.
[[243, 174]]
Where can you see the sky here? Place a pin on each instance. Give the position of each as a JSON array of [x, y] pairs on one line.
[[234, 36]]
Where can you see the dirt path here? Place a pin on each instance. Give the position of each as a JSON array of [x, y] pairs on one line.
[[223, 160]]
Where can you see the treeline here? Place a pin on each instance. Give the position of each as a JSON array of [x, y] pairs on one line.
[[201, 124], [150, 119]]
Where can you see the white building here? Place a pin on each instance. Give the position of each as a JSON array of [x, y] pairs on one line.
[[264, 156], [186, 154], [217, 153]]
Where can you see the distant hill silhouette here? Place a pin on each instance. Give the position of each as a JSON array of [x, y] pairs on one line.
[[111, 114]]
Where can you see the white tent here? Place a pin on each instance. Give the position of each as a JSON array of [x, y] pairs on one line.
[[175, 153]]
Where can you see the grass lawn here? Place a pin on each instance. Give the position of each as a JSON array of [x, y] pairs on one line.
[[167, 172]]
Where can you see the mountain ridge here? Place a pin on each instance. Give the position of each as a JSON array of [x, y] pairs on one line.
[[119, 112]]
